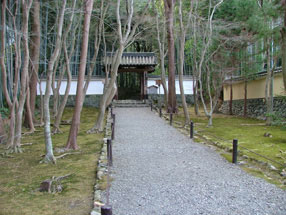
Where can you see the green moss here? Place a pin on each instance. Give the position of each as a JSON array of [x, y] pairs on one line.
[[227, 156], [21, 176]]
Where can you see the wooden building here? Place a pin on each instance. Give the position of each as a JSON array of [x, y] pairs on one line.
[[132, 73]]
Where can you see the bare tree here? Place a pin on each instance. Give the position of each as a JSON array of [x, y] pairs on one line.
[[72, 140], [269, 85], [49, 157], [182, 39], [17, 59], [162, 54], [283, 47], [2, 130], [35, 53], [2, 57], [207, 38], [97, 36], [66, 68], [34, 65], [17, 106], [169, 15], [26, 5], [124, 40], [194, 57]]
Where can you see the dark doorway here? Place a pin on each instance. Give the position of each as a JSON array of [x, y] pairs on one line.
[[129, 86]]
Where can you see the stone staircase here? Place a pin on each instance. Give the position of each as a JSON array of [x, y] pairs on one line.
[[130, 103]]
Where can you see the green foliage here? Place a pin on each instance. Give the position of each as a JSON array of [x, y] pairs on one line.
[[4, 112], [278, 118]]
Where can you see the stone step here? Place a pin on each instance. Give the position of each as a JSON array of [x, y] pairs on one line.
[[130, 103], [131, 106]]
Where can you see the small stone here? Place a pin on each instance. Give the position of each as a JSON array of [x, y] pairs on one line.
[[97, 195], [100, 174], [272, 167], [94, 213], [267, 134], [283, 173], [245, 157], [241, 162]]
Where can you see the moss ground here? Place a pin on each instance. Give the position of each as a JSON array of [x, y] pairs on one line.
[[250, 134], [22, 174]]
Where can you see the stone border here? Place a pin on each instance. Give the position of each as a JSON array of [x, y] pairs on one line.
[[102, 167], [256, 108]]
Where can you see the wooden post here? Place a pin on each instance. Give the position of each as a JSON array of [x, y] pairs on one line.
[[234, 151], [106, 210], [192, 130]]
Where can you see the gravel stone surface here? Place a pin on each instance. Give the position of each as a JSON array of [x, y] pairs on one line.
[[158, 170]]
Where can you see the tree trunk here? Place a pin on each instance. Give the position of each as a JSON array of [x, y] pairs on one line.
[[24, 76], [169, 15], [49, 157], [72, 140], [56, 126], [2, 54], [210, 120], [2, 131], [98, 127], [245, 97], [269, 85], [182, 60], [184, 103], [60, 111], [56, 85], [162, 56], [98, 35], [28, 114], [283, 49], [195, 92], [231, 97], [267, 82], [35, 46], [18, 62]]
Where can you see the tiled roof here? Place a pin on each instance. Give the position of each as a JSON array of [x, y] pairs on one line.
[[253, 76], [133, 59]]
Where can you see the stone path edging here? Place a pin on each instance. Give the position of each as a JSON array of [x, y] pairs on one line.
[[102, 167]]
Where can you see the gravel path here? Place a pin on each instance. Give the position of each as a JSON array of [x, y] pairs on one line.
[[157, 170]]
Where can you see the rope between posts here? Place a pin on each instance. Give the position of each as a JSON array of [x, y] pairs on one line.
[[249, 150], [262, 156]]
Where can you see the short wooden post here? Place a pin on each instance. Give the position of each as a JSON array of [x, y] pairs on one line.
[[191, 130], [112, 130], [171, 118], [234, 151], [160, 112], [106, 210], [109, 151]]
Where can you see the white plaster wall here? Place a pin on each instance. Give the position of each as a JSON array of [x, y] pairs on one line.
[[96, 87], [188, 86]]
